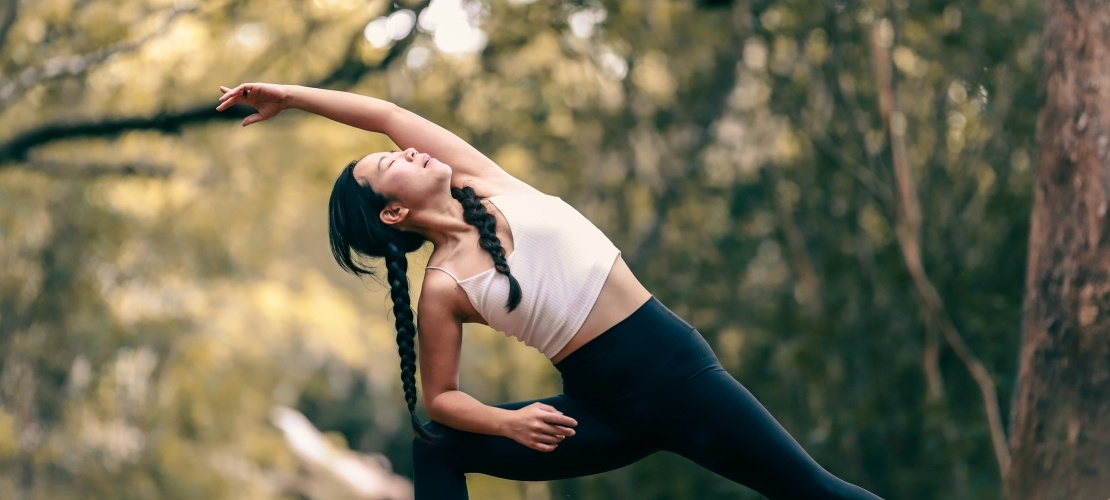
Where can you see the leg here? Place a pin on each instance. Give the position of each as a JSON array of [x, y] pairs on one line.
[[596, 447], [719, 425]]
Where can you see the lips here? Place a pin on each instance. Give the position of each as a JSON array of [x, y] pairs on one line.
[[427, 160]]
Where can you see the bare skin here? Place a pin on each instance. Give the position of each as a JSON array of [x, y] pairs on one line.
[[418, 181]]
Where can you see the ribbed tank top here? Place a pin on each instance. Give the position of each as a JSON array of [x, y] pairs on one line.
[[561, 261]]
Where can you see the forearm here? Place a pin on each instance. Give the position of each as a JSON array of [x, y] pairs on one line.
[[458, 410], [364, 112], [405, 128]]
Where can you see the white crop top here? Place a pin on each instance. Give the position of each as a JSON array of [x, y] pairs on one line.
[[561, 261]]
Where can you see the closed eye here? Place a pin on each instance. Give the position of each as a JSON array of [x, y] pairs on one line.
[[395, 157], [390, 164]]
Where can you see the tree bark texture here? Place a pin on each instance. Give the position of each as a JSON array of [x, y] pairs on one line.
[[1060, 429]]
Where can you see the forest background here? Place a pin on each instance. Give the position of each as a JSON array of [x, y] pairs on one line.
[[837, 193]]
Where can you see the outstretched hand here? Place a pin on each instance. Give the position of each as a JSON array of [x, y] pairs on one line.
[[267, 99], [540, 427]]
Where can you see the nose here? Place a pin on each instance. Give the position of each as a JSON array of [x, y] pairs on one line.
[[410, 154]]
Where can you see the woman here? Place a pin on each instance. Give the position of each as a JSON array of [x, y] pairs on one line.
[[636, 378]]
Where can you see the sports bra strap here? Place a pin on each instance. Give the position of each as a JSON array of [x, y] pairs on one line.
[[444, 270]]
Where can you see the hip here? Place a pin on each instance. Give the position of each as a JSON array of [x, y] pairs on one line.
[[650, 350]]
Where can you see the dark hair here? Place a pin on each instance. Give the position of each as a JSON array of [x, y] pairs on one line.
[[355, 230], [474, 213]]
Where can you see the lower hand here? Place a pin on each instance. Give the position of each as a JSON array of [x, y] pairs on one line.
[[266, 98], [539, 426]]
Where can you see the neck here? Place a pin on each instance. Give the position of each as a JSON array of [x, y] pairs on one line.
[[442, 224]]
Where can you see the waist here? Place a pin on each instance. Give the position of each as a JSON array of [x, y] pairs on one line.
[[651, 348], [620, 297]]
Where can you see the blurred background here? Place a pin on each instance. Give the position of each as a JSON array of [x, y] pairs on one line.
[[170, 312]]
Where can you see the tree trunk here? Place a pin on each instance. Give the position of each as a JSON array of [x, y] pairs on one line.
[[1060, 439]]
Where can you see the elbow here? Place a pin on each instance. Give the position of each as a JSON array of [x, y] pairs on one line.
[[393, 111], [433, 407]]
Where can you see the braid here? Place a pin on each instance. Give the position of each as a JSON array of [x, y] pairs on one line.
[[356, 232], [397, 265], [475, 214]]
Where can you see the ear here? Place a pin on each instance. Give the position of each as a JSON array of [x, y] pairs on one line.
[[393, 213]]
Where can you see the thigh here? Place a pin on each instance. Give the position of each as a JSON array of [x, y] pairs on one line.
[[718, 424], [597, 446]]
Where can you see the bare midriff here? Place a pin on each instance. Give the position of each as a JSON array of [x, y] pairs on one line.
[[621, 295]]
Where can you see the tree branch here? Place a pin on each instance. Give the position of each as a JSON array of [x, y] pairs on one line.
[[92, 170], [76, 65], [908, 231], [347, 73], [859, 127], [353, 67], [17, 148]]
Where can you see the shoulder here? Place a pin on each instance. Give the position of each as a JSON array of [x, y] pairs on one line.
[[439, 297], [494, 185]]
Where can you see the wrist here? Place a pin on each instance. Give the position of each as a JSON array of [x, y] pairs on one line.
[[501, 421], [292, 98]]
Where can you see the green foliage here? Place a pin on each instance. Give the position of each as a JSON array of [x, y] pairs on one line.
[[161, 288]]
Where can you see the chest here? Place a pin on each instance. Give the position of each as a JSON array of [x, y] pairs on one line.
[[471, 258]]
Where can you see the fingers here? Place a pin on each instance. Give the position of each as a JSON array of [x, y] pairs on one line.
[[559, 419], [231, 92], [543, 447], [549, 433], [548, 429], [546, 407], [232, 96], [548, 439], [556, 430], [563, 431], [551, 409], [239, 94], [255, 118], [545, 442]]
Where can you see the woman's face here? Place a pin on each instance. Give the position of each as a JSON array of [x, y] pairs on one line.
[[405, 176]]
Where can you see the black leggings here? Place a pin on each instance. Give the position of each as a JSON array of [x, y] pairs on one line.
[[648, 384]]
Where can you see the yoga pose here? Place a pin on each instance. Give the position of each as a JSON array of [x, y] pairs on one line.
[[637, 379]]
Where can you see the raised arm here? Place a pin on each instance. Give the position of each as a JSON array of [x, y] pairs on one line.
[[405, 128]]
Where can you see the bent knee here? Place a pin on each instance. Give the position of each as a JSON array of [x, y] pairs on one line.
[[438, 447]]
